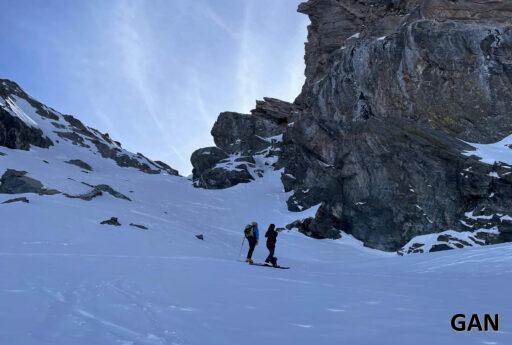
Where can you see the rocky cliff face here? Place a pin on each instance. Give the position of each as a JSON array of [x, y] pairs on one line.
[[245, 145], [385, 113], [395, 92]]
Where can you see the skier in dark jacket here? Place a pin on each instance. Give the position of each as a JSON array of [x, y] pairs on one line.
[[271, 236], [252, 235]]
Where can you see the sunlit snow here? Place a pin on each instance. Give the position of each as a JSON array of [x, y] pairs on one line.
[[66, 279]]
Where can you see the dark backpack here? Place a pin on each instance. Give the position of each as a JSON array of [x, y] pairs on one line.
[[249, 231]]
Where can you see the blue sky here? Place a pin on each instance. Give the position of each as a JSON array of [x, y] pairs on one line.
[[154, 73]]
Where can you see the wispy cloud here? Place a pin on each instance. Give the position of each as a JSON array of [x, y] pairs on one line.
[[134, 54], [179, 107], [246, 72], [136, 48], [155, 74], [258, 56], [207, 12]]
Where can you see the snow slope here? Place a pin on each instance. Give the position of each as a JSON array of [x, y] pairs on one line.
[[66, 279]]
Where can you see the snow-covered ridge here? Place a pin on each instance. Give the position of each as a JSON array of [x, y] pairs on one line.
[[68, 137]]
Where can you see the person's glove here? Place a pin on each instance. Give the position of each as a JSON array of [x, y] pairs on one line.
[[257, 241]]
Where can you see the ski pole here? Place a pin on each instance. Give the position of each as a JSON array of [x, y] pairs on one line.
[[240, 253]]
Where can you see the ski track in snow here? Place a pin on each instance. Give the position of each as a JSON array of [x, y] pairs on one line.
[[66, 279]]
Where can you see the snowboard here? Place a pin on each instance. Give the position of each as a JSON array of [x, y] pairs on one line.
[[260, 264]]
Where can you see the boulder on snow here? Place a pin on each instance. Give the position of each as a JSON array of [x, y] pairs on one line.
[[206, 158], [213, 169], [22, 199], [112, 221], [15, 182], [107, 189], [209, 172], [222, 177], [79, 163]]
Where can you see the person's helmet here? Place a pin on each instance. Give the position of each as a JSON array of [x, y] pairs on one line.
[[254, 224]]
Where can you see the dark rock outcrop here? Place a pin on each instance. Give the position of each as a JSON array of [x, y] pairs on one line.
[[394, 89], [80, 163], [245, 143], [22, 199], [452, 240], [440, 247], [112, 221], [14, 132], [16, 182], [167, 168], [391, 89], [97, 191], [108, 148]]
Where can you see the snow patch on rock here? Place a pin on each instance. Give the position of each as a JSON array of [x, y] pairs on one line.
[[500, 151]]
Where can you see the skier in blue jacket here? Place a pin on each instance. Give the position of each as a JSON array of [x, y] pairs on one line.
[[252, 234]]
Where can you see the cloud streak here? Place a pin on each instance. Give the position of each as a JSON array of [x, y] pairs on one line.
[[155, 74], [208, 13], [136, 46], [266, 67]]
